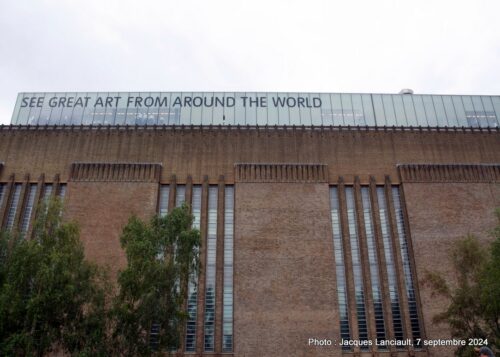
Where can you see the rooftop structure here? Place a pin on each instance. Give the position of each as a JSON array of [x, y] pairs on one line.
[[256, 109]]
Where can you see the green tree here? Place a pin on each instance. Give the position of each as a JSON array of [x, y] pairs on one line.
[[474, 297], [162, 256], [51, 298]]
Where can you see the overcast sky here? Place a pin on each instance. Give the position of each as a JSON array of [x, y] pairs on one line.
[[273, 45]]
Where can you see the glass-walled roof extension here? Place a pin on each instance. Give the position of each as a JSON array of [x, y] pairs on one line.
[[256, 108]]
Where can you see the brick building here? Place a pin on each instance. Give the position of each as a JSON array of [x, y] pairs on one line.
[[319, 213]]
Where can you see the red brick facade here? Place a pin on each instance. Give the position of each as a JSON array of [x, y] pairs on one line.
[[285, 289]]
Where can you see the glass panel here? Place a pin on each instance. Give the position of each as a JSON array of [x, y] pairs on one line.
[[429, 110], [251, 108], [326, 109], [313, 115], [192, 304], [292, 105], [481, 115], [121, 109], [197, 108], [57, 102], [390, 115], [262, 109], [379, 110], [442, 120], [164, 197], [359, 291], [357, 109], [399, 109], [390, 264], [2, 193], [460, 110], [185, 108], [347, 109], [34, 109], [47, 192], [82, 100], [14, 203], [174, 116], [227, 341], [496, 104], [209, 104], [112, 102], [28, 209], [131, 110], [88, 110], [419, 110], [239, 109], [100, 108], [153, 103], [210, 271], [339, 267], [66, 107], [44, 117], [368, 109], [272, 111], [62, 191], [490, 111], [142, 102], [405, 256], [164, 108], [450, 110], [217, 111], [470, 113], [229, 108], [411, 116], [338, 117], [373, 264], [306, 104], [180, 195], [279, 101]]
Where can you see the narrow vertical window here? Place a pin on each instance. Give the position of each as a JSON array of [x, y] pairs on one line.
[[13, 206], [210, 270], [28, 209], [47, 192], [192, 303], [180, 198], [339, 267], [62, 191], [356, 267], [389, 262], [373, 263], [154, 333], [180, 195], [403, 244], [2, 193], [227, 323], [163, 204]]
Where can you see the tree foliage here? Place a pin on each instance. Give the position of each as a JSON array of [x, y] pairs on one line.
[[51, 298], [162, 255], [474, 297]]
